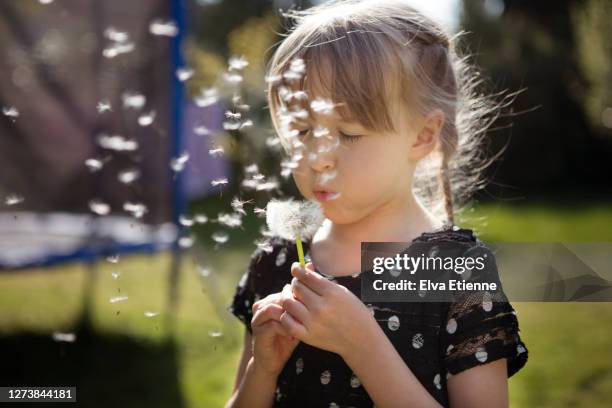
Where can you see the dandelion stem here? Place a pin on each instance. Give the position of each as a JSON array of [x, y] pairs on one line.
[[300, 249]]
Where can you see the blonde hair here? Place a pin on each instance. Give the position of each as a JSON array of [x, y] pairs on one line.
[[383, 51]]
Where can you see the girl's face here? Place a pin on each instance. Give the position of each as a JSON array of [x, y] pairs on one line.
[[362, 170]]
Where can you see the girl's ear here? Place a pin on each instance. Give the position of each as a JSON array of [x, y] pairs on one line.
[[427, 135]]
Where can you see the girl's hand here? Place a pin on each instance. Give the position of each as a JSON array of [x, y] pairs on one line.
[[272, 343], [322, 313]]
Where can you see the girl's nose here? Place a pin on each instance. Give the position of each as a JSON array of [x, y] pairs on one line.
[[321, 160]]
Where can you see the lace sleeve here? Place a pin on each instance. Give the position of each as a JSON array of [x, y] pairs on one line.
[[482, 326]]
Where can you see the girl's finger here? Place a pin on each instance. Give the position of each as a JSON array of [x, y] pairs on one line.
[[304, 294], [266, 313], [272, 298], [310, 278], [297, 310], [294, 328]]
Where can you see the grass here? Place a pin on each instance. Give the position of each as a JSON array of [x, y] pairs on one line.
[[122, 358]]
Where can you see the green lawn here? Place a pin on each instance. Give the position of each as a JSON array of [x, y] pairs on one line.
[[122, 358]]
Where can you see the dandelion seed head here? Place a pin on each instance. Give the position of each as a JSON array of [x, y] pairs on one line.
[[290, 218]]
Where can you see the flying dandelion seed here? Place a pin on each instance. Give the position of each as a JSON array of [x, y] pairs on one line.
[[115, 275], [151, 314], [260, 212], [215, 333], [220, 237], [128, 176], [238, 205], [99, 207], [233, 115], [201, 218], [11, 112], [178, 164], [218, 182], [115, 35], [59, 336], [251, 168], [237, 63], [117, 143], [272, 141], [116, 299], [201, 131], [328, 176], [13, 199], [202, 271], [268, 186], [113, 258], [216, 152], [231, 126], [136, 209], [133, 100], [273, 79], [207, 97], [246, 124], [45, 1], [146, 119], [264, 245], [230, 220], [185, 221], [186, 242], [166, 28], [184, 74], [117, 49], [103, 106], [232, 78], [323, 106], [320, 131]]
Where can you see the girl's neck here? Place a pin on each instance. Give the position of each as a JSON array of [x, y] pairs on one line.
[[390, 223]]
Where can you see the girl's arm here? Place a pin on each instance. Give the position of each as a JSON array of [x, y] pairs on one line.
[[390, 383], [258, 387]]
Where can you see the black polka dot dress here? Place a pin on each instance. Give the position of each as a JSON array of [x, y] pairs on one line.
[[436, 340]]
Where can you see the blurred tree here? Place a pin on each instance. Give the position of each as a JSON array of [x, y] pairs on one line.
[[594, 50], [552, 148]]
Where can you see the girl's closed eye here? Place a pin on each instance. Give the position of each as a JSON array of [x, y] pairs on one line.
[[350, 137]]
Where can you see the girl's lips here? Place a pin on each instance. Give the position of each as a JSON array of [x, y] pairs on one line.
[[326, 195]]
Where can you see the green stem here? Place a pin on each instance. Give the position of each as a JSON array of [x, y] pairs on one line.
[[300, 249]]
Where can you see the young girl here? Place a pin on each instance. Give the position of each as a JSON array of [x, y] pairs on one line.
[[402, 106]]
